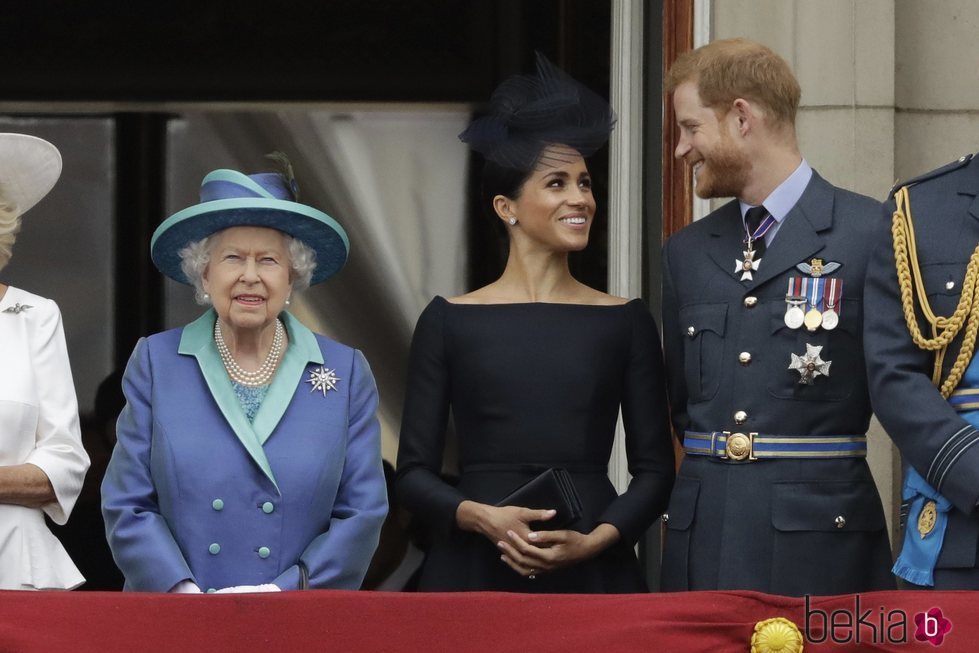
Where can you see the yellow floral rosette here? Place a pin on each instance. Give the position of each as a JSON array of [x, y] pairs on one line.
[[777, 635]]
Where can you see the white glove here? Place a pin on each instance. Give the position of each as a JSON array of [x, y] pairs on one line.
[[246, 589], [185, 587]]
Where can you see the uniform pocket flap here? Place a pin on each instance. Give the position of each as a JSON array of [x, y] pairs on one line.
[[683, 504], [826, 506], [943, 278], [703, 317]]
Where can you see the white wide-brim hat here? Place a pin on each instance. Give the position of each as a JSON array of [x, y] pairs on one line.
[[29, 168]]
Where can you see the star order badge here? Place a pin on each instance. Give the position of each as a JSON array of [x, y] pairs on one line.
[[810, 365], [746, 265], [17, 308], [323, 379]]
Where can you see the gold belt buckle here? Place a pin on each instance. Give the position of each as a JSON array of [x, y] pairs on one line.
[[739, 446]]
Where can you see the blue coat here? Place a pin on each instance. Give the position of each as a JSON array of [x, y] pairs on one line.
[[194, 491]]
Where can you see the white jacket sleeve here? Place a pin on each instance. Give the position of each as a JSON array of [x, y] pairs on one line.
[[58, 447]]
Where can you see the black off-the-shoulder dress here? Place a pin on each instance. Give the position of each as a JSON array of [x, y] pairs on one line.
[[532, 386]]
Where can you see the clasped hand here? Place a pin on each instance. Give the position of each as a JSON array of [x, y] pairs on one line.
[[530, 552]]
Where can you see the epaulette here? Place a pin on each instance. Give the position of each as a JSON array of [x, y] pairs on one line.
[[937, 172]]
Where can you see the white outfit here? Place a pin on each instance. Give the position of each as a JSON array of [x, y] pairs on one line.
[[38, 425]]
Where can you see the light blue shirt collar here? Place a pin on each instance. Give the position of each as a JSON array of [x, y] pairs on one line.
[[785, 196]]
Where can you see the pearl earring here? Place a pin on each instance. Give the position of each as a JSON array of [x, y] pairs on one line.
[[207, 297], [288, 300], [512, 221]]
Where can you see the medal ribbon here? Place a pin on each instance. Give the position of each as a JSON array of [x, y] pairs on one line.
[[796, 289], [834, 293], [816, 296], [762, 229]]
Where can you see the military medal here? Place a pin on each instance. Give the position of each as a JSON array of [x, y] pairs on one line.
[[927, 518], [794, 317], [810, 365], [746, 265], [831, 316], [813, 319], [795, 299], [814, 316]]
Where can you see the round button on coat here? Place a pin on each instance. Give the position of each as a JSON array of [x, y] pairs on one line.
[[750, 302], [744, 358], [691, 331], [217, 504], [740, 417], [214, 549], [264, 552], [840, 521], [268, 508]]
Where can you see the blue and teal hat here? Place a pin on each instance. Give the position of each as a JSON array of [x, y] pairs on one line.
[[232, 199]]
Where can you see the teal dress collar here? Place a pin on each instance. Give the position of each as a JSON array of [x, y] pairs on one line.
[[197, 340]]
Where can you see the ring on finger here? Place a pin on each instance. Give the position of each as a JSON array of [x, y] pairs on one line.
[[532, 575]]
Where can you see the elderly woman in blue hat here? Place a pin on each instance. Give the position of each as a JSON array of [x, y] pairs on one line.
[[248, 454]]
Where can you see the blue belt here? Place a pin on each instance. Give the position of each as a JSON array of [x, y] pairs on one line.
[[748, 446], [964, 399]]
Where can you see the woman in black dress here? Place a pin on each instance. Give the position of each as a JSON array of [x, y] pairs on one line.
[[535, 367]]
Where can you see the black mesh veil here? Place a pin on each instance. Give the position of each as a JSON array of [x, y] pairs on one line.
[[529, 112]]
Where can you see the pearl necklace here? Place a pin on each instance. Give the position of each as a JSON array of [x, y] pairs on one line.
[[261, 376]]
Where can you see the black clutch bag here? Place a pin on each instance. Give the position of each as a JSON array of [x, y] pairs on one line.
[[550, 490]]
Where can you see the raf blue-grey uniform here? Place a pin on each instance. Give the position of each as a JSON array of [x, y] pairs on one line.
[[936, 440], [784, 525]]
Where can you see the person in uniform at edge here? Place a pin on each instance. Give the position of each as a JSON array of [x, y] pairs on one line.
[[248, 454], [920, 334], [534, 368], [762, 328]]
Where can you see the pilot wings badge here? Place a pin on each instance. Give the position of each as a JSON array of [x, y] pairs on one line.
[[17, 308]]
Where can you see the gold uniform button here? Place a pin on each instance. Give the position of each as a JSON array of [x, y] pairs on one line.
[[744, 358], [840, 521], [750, 302], [740, 417], [691, 331]]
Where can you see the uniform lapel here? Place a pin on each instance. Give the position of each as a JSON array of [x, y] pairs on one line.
[[197, 340], [302, 350], [798, 238], [727, 238], [970, 186]]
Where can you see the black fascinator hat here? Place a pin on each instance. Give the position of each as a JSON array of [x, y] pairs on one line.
[[529, 112]]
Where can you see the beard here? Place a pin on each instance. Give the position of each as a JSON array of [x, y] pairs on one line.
[[724, 173]]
